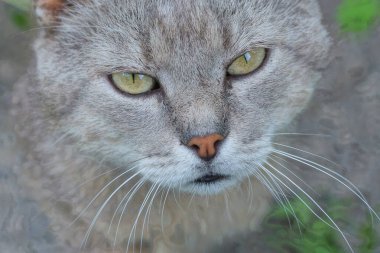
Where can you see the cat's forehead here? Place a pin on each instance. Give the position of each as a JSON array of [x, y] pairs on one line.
[[171, 28], [173, 19], [196, 23]]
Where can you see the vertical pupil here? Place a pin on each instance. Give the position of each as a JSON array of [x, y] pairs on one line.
[[247, 57]]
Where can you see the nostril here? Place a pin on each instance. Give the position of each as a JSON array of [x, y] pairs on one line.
[[217, 143], [195, 147]]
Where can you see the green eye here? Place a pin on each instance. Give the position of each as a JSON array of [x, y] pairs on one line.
[[248, 62], [133, 83]]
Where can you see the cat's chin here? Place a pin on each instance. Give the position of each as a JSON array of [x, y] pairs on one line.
[[210, 185]]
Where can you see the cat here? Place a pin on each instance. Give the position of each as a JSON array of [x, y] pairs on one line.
[[149, 122]]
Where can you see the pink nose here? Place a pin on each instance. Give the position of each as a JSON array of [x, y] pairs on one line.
[[205, 145]]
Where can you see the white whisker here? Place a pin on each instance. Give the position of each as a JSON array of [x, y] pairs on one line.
[[191, 199], [98, 194], [335, 226], [250, 192], [121, 203], [102, 207], [298, 134], [306, 152], [163, 209], [273, 191], [57, 198], [329, 173], [137, 187], [287, 202], [147, 213], [133, 230], [227, 206], [271, 157], [176, 201]]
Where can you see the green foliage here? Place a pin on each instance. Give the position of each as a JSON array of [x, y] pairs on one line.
[[368, 237], [20, 19], [358, 15], [313, 235], [19, 13]]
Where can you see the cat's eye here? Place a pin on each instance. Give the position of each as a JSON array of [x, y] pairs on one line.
[[133, 83], [248, 62]]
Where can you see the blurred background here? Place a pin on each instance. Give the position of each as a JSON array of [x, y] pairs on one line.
[[341, 124]]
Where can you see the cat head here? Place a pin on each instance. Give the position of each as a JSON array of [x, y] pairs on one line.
[[185, 120]]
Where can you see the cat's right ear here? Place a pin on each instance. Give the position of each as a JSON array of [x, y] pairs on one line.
[[47, 11]]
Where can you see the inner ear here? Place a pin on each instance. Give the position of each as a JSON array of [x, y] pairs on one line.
[[47, 11]]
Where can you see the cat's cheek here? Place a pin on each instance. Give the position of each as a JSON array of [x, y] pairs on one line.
[[109, 120], [297, 96]]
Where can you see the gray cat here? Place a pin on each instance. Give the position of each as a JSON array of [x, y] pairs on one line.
[[150, 121]]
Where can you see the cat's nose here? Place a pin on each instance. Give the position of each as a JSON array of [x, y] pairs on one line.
[[206, 146]]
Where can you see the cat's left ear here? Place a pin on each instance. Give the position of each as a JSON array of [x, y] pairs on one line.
[[47, 11]]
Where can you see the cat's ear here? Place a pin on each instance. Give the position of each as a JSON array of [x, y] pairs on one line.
[[47, 11]]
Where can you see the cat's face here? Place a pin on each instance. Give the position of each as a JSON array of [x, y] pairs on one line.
[[187, 46]]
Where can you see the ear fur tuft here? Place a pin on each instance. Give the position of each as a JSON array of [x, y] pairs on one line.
[[47, 11]]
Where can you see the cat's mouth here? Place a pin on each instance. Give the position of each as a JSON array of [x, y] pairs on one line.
[[211, 178], [210, 183]]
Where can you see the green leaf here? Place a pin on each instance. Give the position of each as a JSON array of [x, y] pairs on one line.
[[358, 15], [20, 19], [316, 236], [18, 12]]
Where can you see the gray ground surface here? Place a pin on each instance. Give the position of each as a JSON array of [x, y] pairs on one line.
[[346, 106]]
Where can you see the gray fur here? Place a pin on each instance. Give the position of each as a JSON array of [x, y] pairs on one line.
[[187, 46]]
